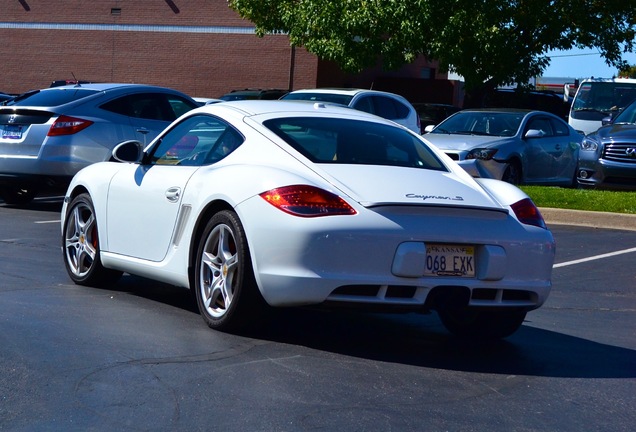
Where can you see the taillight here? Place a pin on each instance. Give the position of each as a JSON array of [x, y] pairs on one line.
[[307, 201], [65, 125], [528, 213]]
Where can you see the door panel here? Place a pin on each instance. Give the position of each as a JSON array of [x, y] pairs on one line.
[[152, 194]]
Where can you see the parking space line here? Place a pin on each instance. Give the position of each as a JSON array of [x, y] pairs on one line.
[[592, 258]]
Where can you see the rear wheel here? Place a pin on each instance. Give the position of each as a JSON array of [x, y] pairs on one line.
[[81, 245], [482, 324], [225, 288]]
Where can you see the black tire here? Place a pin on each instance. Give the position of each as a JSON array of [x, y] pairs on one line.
[[481, 324], [224, 284], [80, 245], [18, 194], [512, 174]]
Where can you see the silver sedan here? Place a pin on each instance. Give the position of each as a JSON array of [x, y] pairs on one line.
[[517, 146]]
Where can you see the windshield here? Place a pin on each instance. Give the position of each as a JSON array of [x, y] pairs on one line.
[[603, 97], [481, 123], [50, 98], [343, 141], [319, 97], [628, 115]]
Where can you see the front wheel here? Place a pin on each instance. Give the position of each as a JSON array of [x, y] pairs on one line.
[[80, 243], [482, 324], [225, 287], [512, 174]]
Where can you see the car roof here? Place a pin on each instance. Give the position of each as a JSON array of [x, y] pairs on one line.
[[501, 110], [342, 91], [104, 86], [251, 107]]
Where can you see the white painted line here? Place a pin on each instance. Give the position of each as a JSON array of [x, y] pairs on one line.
[[45, 222], [592, 258]]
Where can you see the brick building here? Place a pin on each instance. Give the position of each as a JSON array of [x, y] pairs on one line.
[[200, 47]]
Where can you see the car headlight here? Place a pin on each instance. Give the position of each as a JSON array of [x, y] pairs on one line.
[[481, 153], [589, 144]]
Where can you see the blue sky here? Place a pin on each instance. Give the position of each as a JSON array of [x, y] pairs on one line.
[[577, 63]]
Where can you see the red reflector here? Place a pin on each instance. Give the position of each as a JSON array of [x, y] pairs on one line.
[[65, 125], [307, 201], [528, 213]]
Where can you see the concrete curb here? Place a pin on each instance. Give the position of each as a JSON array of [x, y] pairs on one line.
[[604, 220]]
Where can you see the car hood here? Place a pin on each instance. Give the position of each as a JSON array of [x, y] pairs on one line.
[[462, 142], [386, 185], [618, 132]]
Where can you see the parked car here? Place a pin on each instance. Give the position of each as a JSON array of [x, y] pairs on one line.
[[517, 146], [434, 113], [47, 135], [608, 156], [388, 105], [256, 203], [250, 94]]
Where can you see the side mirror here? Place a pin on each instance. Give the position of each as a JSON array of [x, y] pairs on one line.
[[534, 133], [429, 128], [606, 121], [128, 151]]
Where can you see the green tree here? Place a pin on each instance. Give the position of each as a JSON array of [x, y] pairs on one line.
[[488, 42], [628, 72]]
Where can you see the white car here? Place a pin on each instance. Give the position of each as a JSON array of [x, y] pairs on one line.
[[256, 203], [384, 104]]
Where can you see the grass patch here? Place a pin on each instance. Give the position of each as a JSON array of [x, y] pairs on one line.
[[582, 199]]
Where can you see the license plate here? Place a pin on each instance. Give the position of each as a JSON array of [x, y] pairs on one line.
[[11, 132], [450, 260]]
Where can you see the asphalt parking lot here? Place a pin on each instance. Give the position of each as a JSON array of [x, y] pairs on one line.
[[138, 356]]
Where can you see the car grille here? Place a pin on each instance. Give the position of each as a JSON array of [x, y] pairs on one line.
[[620, 152]]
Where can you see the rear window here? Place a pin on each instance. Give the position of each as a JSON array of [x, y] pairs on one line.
[[343, 141], [51, 98]]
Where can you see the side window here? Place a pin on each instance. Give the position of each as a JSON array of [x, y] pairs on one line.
[[542, 124], [120, 106], [384, 107], [560, 128], [364, 104], [196, 141], [149, 106], [179, 105], [152, 106]]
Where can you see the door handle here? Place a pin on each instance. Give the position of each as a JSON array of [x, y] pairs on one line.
[[143, 130], [173, 194]]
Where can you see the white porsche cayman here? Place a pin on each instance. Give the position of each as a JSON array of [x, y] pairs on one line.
[[257, 203]]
